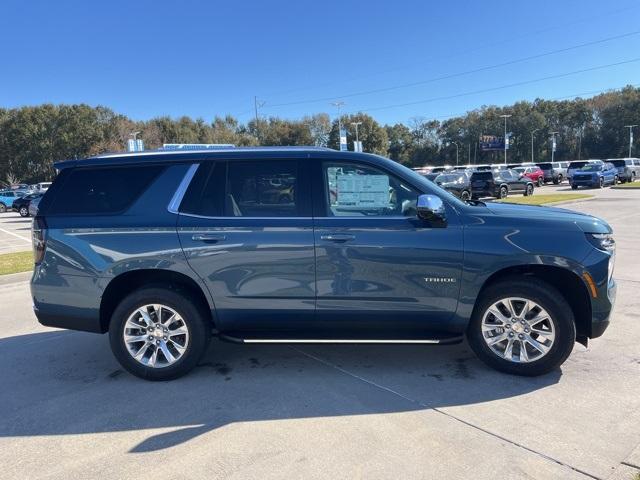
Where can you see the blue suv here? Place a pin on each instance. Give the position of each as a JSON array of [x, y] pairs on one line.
[[594, 175], [163, 250]]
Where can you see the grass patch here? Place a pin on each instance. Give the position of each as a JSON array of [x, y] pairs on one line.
[[631, 185], [16, 262], [544, 199]]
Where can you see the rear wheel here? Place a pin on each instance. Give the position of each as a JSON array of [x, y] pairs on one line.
[[503, 192], [158, 333], [23, 211], [3, 207], [528, 190], [601, 183], [522, 327]]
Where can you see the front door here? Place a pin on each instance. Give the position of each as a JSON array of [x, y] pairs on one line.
[[378, 267], [246, 230]]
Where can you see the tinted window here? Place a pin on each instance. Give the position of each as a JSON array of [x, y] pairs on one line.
[[263, 189], [619, 163], [636, 162], [102, 190], [361, 190], [547, 166], [484, 176], [205, 195]]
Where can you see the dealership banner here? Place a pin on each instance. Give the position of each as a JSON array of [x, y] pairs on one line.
[[490, 143]]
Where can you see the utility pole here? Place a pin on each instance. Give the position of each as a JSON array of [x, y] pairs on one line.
[[630, 127], [257, 105], [505, 136], [553, 144], [532, 133], [469, 154]]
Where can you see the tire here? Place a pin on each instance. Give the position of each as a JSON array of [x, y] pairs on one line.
[[616, 180], [528, 190], [560, 317], [574, 187], [601, 183], [23, 211], [503, 192], [3, 207], [540, 181], [465, 195], [190, 315], [560, 178], [556, 181]]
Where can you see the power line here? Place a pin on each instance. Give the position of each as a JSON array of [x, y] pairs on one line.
[[493, 89], [459, 74], [479, 47]]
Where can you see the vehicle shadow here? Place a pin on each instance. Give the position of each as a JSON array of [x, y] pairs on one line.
[[67, 383]]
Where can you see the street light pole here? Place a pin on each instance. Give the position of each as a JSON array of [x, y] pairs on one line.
[[457, 149], [532, 133], [357, 124], [553, 144], [339, 105], [630, 127], [505, 136]]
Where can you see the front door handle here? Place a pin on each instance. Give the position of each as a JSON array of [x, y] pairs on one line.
[[208, 237], [337, 237]]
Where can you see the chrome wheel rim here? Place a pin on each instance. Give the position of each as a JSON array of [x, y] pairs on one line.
[[518, 330], [156, 335]]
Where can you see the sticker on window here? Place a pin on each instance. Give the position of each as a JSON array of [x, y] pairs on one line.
[[368, 191]]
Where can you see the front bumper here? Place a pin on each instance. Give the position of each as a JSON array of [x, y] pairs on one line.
[[585, 181], [597, 265]]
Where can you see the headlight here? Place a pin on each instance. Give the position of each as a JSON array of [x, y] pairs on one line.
[[602, 241]]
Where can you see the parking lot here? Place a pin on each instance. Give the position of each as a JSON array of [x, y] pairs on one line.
[[67, 410]]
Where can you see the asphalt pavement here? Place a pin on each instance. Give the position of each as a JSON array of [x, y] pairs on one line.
[[67, 410]]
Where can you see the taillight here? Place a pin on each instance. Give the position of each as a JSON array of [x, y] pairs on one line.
[[39, 238]]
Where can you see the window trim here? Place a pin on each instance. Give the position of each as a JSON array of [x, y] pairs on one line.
[[176, 200]]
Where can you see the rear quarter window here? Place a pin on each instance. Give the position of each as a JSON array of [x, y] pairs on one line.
[[103, 190]]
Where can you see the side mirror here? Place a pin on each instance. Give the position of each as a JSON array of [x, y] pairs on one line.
[[431, 209]]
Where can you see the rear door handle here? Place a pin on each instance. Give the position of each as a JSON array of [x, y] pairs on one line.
[[208, 237], [337, 237]]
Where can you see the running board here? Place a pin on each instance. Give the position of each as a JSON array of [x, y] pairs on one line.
[[429, 341]]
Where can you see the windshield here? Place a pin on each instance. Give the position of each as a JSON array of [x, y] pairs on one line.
[[519, 169], [591, 167], [448, 178], [577, 164]]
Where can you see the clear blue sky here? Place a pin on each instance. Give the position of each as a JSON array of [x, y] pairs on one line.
[[207, 58]]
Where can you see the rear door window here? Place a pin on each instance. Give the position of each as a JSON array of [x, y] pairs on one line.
[[102, 190]]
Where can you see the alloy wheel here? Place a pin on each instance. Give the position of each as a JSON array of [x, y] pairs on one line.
[[156, 335], [518, 330]]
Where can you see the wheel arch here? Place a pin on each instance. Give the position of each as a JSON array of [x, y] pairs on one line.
[[127, 282], [568, 283]]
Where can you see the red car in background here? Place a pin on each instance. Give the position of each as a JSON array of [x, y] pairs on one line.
[[535, 174]]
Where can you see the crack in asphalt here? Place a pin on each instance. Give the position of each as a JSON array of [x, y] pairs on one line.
[[453, 417]]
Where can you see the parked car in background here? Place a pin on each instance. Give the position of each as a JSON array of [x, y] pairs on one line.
[[21, 205], [42, 186], [577, 164], [7, 197], [499, 184], [553, 172], [594, 175], [457, 183], [33, 206], [515, 182], [431, 175], [533, 173], [628, 168]]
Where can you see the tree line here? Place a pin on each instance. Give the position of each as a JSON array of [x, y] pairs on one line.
[[33, 138]]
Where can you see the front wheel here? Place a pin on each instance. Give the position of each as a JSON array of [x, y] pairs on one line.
[[522, 327], [3, 207], [158, 333], [23, 211], [503, 192], [601, 183], [529, 190]]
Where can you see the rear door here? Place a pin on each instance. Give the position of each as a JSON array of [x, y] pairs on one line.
[[246, 229], [378, 267]]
